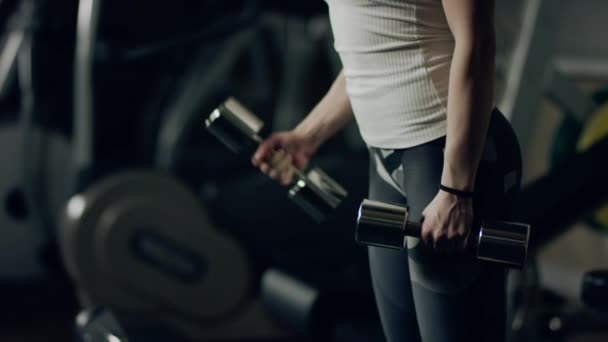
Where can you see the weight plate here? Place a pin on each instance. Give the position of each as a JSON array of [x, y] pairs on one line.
[[139, 241]]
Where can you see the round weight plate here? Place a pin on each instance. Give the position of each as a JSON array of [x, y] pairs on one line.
[[140, 241], [21, 233]]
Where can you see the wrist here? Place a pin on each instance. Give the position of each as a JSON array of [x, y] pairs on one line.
[[463, 194], [458, 175], [459, 181], [309, 136]]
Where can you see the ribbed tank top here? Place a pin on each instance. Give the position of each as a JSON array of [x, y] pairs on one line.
[[396, 57]]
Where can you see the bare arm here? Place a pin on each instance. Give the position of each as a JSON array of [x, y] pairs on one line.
[[329, 116], [448, 218], [470, 95], [277, 155]]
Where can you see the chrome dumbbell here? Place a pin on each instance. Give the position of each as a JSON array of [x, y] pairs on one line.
[[312, 189], [386, 225]]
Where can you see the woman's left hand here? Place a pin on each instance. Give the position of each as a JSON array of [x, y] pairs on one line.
[[447, 222]]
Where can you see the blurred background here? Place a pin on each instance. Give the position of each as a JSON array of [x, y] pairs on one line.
[[123, 218]]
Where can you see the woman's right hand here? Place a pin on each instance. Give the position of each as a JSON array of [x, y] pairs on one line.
[[281, 152]]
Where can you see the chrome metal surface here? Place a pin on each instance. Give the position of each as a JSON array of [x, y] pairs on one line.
[[381, 224], [503, 242], [84, 106], [235, 126]]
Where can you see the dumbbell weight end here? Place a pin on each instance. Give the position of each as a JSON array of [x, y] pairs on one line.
[[232, 130], [384, 224]]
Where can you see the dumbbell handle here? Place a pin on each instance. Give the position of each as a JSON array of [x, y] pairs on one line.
[[245, 122], [297, 172], [386, 225]]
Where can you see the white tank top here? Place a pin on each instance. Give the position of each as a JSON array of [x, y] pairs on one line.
[[396, 56]]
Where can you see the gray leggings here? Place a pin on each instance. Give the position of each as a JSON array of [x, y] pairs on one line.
[[422, 295]]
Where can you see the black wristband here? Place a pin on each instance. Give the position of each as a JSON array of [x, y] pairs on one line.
[[459, 193]]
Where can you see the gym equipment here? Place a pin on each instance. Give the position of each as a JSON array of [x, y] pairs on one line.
[[147, 224], [99, 325], [528, 78], [319, 313], [140, 243], [313, 190], [596, 127], [559, 319], [551, 204], [8, 61], [34, 178], [594, 290], [23, 223], [133, 243], [386, 225], [181, 149], [550, 208], [574, 136], [295, 303]]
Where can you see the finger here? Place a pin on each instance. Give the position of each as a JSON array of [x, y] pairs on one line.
[[267, 148], [462, 245], [452, 234], [285, 164], [426, 234], [439, 240], [261, 154], [279, 159], [255, 160], [467, 232], [265, 168], [273, 174], [281, 167], [286, 171], [287, 176], [453, 241], [465, 239]]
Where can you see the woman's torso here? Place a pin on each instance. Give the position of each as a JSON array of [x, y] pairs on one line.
[[396, 56]]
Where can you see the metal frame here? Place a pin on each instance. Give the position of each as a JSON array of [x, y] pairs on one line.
[[533, 75], [547, 203], [525, 81], [84, 112], [8, 60]]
